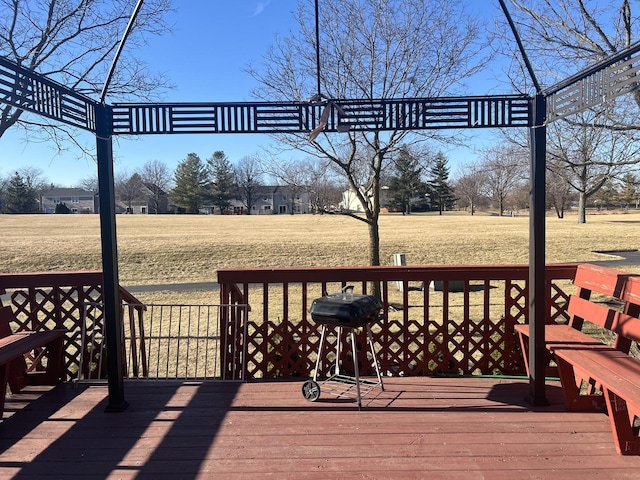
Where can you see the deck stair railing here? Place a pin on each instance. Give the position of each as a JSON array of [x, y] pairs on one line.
[[171, 341]]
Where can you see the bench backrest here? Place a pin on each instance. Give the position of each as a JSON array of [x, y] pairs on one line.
[[613, 283]]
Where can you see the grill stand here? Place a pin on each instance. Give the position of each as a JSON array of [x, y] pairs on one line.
[[311, 388]]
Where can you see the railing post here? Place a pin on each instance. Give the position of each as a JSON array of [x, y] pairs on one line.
[[110, 281]]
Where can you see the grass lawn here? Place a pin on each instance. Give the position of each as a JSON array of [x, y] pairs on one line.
[[179, 248]]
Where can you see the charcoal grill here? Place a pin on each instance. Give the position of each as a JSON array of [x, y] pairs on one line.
[[347, 312]]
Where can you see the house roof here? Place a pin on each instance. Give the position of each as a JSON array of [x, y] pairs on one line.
[[68, 192]]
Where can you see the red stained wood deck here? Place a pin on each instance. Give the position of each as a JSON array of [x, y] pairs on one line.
[[435, 428]]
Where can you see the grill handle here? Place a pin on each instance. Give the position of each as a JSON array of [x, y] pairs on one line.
[[347, 293]]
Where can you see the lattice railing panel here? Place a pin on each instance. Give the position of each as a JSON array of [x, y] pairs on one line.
[[558, 301], [46, 301], [466, 331]]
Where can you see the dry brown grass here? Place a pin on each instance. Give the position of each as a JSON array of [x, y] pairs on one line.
[[174, 249]]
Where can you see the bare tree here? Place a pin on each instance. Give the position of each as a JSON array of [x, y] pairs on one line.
[[74, 42], [248, 174], [157, 178], [470, 186], [559, 192], [588, 157], [369, 49], [322, 185], [89, 183], [504, 167], [129, 190], [35, 179], [563, 36], [4, 184]]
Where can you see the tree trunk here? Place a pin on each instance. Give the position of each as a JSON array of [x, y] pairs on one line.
[[374, 242], [374, 254], [582, 207]]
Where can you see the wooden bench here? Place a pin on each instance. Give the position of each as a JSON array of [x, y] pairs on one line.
[[14, 371], [595, 374]]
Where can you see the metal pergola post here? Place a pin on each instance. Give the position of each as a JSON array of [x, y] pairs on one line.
[[110, 280], [537, 227]]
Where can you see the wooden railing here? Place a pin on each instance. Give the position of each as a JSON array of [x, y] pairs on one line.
[[50, 300], [436, 319]]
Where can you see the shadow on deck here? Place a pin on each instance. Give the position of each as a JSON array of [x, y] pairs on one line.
[[421, 427]]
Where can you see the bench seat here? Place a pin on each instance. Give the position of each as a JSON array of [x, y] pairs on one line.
[[12, 365], [595, 375]]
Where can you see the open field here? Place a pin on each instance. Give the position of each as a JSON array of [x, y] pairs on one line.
[[183, 249], [175, 249]]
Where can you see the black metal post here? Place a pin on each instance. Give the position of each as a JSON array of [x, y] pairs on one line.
[[110, 281], [537, 281]]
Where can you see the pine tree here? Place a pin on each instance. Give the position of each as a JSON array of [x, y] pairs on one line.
[[62, 208], [407, 183], [440, 192], [19, 197], [190, 179], [222, 186]]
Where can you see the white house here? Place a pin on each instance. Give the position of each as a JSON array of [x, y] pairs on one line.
[[351, 203]]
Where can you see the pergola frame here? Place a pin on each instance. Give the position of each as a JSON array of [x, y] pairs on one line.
[[35, 93]]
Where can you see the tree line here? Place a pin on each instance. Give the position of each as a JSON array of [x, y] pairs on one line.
[[414, 180]]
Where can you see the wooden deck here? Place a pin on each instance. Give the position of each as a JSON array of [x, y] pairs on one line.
[[435, 428]]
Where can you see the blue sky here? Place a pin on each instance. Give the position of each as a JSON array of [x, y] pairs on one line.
[[205, 58]]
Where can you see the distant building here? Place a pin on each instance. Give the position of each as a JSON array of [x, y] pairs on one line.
[[281, 199], [151, 199], [269, 200], [351, 203], [77, 200]]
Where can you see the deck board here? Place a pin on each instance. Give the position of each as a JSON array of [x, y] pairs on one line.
[[436, 428]]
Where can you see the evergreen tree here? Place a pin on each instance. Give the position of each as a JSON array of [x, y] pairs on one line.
[[19, 197], [222, 187], [62, 208], [406, 184], [190, 179], [630, 190], [440, 192]]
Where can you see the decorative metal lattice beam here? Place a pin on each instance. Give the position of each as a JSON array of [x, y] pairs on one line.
[[35, 93], [301, 117], [596, 85], [32, 92]]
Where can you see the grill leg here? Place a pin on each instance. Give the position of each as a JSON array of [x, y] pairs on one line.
[[315, 373], [355, 366], [373, 356], [338, 340]]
